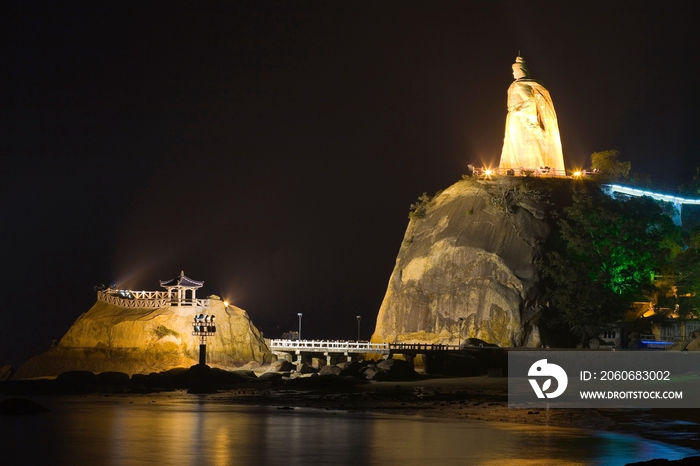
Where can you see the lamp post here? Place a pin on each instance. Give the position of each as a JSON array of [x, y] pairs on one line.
[[203, 326], [459, 332], [300, 314], [359, 318]]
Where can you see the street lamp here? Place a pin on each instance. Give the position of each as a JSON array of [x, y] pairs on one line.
[[359, 318], [460, 321], [300, 314]]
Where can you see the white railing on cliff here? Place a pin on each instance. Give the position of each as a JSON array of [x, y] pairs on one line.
[[542, 172], [148, 299]]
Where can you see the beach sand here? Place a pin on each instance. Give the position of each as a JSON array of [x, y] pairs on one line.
[[475, 398]]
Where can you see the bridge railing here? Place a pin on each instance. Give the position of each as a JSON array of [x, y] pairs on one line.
[[648, 185], [421, 347], [635, 191], [355, 346], [328, 345]]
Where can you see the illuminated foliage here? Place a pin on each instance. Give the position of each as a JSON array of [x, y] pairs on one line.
[[687, 276], [623, 241], [608, 253]]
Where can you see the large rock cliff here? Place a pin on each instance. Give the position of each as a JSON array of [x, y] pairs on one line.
[[470, 253], [142, 340]]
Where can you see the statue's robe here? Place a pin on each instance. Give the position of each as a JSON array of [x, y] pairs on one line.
[[532, 132]]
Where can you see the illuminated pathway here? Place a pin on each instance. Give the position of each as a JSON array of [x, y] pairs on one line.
[[675, 200]]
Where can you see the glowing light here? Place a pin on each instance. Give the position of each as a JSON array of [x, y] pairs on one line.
[[654, 195], [225, 303], [488, 172], [577, 174]]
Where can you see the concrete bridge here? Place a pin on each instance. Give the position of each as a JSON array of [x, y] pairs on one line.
[[677, 201], [332, 349]]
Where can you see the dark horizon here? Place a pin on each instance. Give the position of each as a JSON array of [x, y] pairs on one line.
[[273, 149]]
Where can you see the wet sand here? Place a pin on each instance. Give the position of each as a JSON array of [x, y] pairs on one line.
[[476, 398]]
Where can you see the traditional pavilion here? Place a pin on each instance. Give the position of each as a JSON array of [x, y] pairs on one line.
[[178, 289]]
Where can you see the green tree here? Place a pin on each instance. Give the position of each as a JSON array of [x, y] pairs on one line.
[[690, 212], [610, 250], [610, 167], [686, 268]]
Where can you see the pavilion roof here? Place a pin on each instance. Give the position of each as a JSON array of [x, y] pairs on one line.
[[182, 282]]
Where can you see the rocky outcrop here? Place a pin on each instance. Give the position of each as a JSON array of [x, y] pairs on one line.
[[694, 344], [142, 341], [20, 406], [469, 253], [5, 372]]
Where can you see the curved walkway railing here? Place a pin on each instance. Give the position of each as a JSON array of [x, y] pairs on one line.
[[659, 196]]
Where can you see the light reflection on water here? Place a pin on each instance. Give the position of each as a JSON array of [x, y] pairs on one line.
[[113, 431]]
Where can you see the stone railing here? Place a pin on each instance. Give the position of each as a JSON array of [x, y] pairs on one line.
[[123, 300], [149, 294], [148, 299]]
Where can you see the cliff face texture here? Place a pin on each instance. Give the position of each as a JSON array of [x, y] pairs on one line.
[[469, 253], [141, 341]]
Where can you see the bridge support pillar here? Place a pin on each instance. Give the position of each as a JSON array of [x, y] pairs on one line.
[[348, 358], [300, 360], [678, 214], [328, 358]]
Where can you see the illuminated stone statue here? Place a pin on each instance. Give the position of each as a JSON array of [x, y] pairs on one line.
[[532, 139]]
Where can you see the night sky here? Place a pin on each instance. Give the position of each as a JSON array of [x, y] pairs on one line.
[[273, 149]]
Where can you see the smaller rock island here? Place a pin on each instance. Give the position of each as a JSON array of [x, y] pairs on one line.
[[139, 332]]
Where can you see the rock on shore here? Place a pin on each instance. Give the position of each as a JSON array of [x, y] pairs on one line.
[[142, 341], [470, 253]]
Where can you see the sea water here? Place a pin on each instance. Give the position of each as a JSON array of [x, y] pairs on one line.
[[192, 430]]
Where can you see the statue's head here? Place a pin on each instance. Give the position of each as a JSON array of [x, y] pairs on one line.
[[520, 69]]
